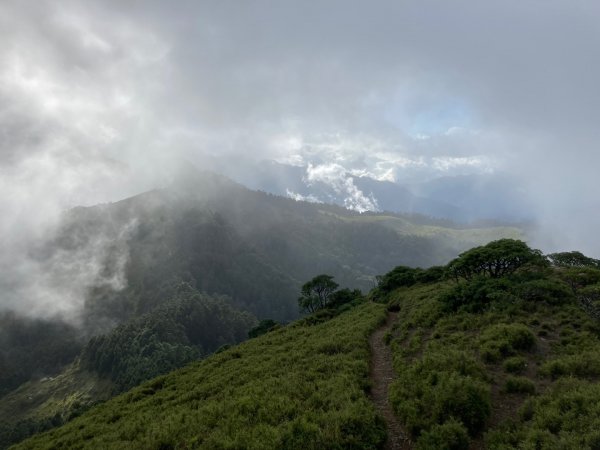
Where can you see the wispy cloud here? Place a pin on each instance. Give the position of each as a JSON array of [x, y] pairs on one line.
[[97, 97]]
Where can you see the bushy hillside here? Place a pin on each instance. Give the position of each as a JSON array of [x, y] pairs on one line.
[[249, 249], [190, 326], [300, 387], [498, 349], [254, 247], [187, 327], [506, 356]]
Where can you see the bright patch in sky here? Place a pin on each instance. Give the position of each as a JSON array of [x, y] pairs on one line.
[[440, 119]]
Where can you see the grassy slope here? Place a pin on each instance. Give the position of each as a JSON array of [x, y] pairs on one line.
[[47, 393], [403, 226], [49, 396], [299, 387], [543, 395]]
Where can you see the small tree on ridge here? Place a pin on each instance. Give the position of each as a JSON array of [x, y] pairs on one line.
[[316, 293]]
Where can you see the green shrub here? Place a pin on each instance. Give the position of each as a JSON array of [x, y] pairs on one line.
[[476, 295], [501, 340], [567, 417], [431, 275], [515, 364], [519, 385], [302, 387], [582, 365], [492, 352], [463, 398], [439, 387], [263, 327], [496, 259], [401, 276], [394, 305], [551, 291], [450, 435]]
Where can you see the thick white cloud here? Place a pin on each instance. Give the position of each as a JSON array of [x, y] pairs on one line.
[[96, 97], [338, 178]]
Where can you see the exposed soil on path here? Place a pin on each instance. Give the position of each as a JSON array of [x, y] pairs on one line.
[[382, 374]]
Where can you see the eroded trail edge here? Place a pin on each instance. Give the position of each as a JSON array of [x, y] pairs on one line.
[[382, 375]]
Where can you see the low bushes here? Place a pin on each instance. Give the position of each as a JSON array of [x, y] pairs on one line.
[[502, 340], [519, 385], [450, 435], [551, 291], [515, 364], [568, 416], [299, 387], [476, 295], [581, 365], [444, 385]]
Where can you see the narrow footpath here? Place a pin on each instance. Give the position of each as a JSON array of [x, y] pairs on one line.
[[382, 374]]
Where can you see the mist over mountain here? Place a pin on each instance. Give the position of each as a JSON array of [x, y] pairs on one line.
[[134, 288], [459, 198], [172, 177], [125, 257]]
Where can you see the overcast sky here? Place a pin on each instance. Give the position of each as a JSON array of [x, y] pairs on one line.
[[98, 97]]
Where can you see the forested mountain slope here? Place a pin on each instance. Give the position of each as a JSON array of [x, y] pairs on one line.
[[254, 247], [302, 386], [241, 254], [499, 349]]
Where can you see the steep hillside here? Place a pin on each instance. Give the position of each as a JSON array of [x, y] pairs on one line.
[[499, 360], [303, 386], [247, 251], [499, 349], [254, 247], [187, 327]]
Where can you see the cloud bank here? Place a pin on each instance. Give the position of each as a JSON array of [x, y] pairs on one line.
[[98, 98]]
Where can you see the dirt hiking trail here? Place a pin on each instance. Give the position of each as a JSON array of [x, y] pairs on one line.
[[382, 375]]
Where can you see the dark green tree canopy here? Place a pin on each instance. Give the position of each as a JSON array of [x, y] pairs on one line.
[[496, 259], [316, 293], [573, 259], [263, 327]]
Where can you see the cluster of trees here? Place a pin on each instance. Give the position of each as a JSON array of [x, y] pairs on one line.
[[263, 327], [495, 260], [403, 276], [304, 387], [573, 260], [250, 246], [322, 293], [505, 269], [189, 326]]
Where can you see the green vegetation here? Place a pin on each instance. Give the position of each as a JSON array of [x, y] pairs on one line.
[[519, 385], [403, 276], [256, 248], [566, 416], [49, 402], [321, 293], [316, 294], [299, 387], [510, 357], [496, 259], [189, 326], [503, 353], [263, 327], [451, 435], [223, 240], [573, 259], [515, 364], [33, 348]]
